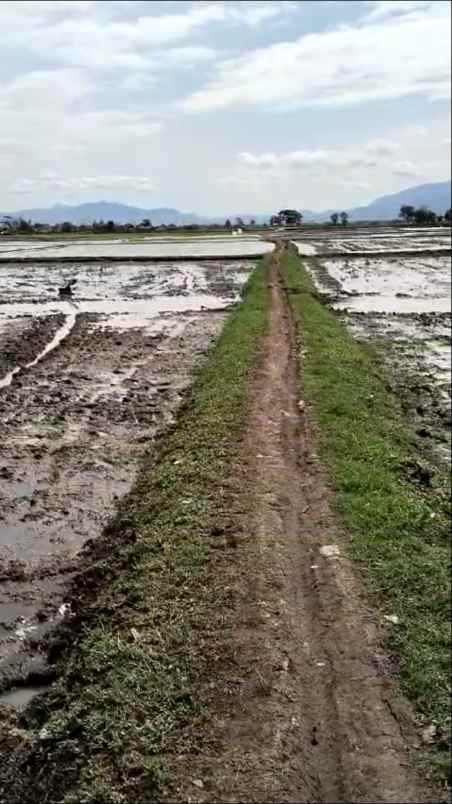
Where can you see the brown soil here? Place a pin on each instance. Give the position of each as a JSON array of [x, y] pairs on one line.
[[303, 708]]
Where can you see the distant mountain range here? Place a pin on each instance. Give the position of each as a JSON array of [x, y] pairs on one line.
[[436, 196], [106, 211]]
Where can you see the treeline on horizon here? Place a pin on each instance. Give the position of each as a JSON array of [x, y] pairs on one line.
[[408, 214]]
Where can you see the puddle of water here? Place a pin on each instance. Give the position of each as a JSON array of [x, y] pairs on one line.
[[375, 243], [14, 610], [306, 249], [140, 309], [59, 336], [172, 249], [16, 539], [373, 248], [20, 697], [201, 238], [425, 281], [39, 283], [408, 333], [8, 378], [20, 488], [392, 304]]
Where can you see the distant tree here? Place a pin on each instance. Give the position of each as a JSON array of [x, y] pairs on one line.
[[67, 227], [275, 220], [228, 224], [8, 222], [344, 218], [110, 226], [147, 223], [407, 212], [252, 222], [448, 215], [335, 218], [290, 217], [423, 215], [24, 226], [239, 222]]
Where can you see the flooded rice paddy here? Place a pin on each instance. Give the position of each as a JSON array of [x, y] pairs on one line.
[[403, 305], [86, 385], [146, 248], [371, 241]]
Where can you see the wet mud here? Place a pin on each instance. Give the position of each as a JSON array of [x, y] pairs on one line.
[[402, 306], [381, 241], [234, 247], [23, 338], [75, 426]]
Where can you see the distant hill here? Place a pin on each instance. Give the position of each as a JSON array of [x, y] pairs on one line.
[[106, 211], [436, 196]]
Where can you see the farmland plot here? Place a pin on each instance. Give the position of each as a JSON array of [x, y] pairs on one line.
[[370, 241], [403, 304], [85, 387], [150, 248]]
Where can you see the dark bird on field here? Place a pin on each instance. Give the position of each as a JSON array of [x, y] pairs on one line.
[[65, 292]]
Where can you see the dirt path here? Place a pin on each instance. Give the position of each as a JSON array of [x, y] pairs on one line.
[[303, 712]]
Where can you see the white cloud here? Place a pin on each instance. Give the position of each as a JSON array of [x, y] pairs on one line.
[[356, 185], [339, 68], [55, 121], [382, 9], [382, 147], [406, 168], [371, 155], [86, 34], [351, 167], [254, 15], [69, 185]]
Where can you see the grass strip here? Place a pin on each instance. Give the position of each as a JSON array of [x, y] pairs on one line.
[[150, 600], [400, 531]]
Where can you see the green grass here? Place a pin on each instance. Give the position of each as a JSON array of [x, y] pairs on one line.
[[399, 531], [151, 600]]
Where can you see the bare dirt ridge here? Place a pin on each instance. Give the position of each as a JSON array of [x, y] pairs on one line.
[[309, 713]]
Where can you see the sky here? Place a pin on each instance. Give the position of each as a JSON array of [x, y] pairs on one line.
[[222, 107]]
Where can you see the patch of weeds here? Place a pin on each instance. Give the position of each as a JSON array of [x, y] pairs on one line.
[[148, 601], [400, 529]]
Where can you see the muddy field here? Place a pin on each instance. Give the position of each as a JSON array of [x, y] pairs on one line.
[[85, 387], [145, 248], [371, 241], [403, 305]]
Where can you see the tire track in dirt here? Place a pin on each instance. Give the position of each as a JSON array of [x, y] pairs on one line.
[[302, 710]]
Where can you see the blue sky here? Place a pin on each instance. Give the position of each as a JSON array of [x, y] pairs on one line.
[[222, 107]]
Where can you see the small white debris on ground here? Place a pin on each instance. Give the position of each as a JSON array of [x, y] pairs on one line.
[[392, 618], [330, 551]]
